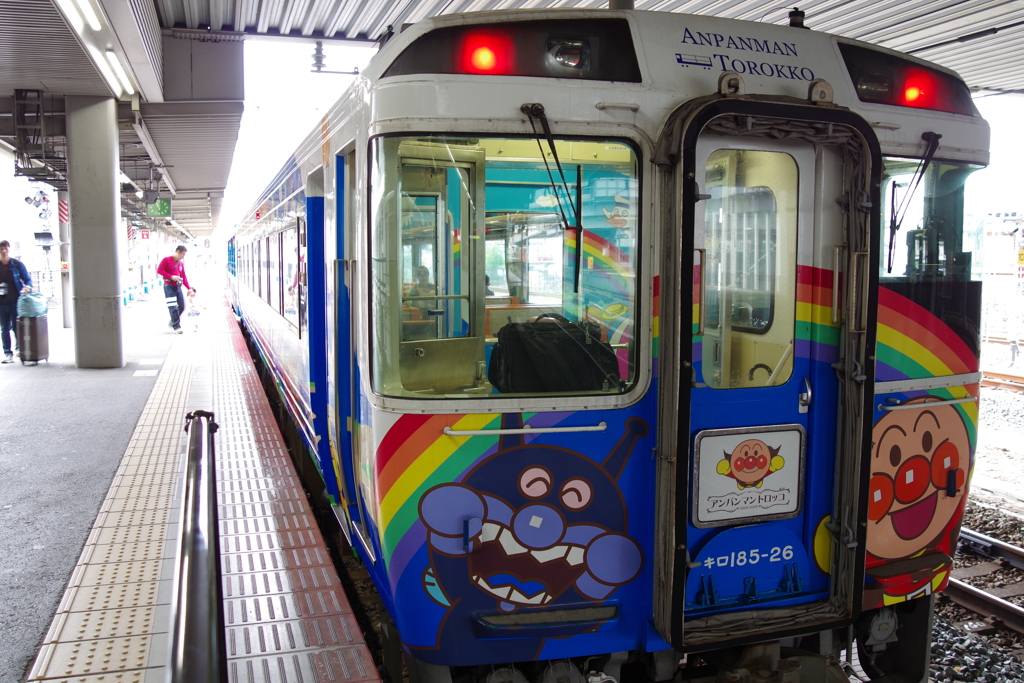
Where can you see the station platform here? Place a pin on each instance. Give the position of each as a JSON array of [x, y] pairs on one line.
[[106, 616]]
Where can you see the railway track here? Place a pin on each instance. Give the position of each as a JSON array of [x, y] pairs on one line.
[[1002, 380], [991, 604]]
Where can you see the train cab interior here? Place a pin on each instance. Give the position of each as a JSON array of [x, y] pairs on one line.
[[473, 235], [928, 243]]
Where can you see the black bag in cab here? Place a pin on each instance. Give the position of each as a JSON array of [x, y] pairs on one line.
[[552, 355]]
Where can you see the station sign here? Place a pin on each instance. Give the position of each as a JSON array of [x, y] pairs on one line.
[[143, 234]]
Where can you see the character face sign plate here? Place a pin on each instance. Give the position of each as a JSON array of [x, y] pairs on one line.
[[747, 475]]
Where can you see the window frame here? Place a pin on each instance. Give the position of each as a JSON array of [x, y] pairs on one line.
[[641, 349]]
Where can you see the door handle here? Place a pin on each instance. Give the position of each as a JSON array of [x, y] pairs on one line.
[[805, 397]]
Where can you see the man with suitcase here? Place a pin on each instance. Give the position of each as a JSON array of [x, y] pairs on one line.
[[14, 280]]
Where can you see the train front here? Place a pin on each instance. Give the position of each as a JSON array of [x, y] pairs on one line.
[[672, 347]]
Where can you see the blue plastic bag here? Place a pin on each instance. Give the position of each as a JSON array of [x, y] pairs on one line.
[[31, 305]]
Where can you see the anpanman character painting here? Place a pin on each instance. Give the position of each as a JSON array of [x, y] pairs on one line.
[[750, 462], [919, 467]]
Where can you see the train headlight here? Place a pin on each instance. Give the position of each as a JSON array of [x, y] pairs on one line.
[[874, 86], [571, 53]]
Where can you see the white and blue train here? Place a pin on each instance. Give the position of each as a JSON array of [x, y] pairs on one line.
[[620, 337]]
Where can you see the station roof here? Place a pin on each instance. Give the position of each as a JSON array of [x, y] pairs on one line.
[[982, 40], [40, 49]]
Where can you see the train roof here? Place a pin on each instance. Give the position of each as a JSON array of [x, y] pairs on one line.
[[679, 57], [665, 34]]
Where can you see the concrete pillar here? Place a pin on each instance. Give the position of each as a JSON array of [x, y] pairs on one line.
[[95, 198], [64, 233]]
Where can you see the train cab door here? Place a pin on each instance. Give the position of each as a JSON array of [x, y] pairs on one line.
[[442, 342], [763, 396]]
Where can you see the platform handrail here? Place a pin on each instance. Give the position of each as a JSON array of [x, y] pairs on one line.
[[198, 653]]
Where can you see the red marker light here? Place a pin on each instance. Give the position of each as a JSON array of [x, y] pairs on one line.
[[922, 89], [487, 53], [483, 59], [888, 79]]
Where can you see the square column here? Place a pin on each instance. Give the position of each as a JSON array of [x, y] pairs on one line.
[[95, 203]]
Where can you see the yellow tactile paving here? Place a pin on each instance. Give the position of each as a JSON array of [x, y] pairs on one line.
[[115, 573], [135, 517], [154, 502], [112, 596], [127, 552], [112, 620], [108, 623], [286, 617], [80, 658], [139, 676], [129, 534]]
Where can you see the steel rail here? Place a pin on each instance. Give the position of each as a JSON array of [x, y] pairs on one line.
[[198, 653], [986, 604], [1003, 380], [980, 544]]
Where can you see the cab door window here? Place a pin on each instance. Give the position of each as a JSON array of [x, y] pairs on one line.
[[750, 280]]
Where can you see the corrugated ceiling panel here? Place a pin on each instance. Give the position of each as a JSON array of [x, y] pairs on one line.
[[993, 60], [149, 28], [198, 147], [39, 52], [899, 24]]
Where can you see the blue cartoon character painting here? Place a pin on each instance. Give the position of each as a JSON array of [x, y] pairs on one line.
[[531, 528]]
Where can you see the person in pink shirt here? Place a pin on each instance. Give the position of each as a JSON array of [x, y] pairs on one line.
[[172, 270]]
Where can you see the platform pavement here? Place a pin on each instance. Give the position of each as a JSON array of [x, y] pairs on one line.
[[63, 431]]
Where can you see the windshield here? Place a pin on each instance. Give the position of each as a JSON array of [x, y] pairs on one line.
[[924, 238], [930, 259], [481, 283]]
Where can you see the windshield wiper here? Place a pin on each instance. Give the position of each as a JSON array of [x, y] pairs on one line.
[[536, 110], [896, 215]]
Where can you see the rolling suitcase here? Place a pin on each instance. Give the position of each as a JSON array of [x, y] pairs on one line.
[[33, 339]]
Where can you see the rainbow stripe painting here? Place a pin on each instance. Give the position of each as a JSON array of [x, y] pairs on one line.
[[817, 337], [913, 343]]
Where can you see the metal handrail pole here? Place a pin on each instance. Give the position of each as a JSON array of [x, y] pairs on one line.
[[198, 653]]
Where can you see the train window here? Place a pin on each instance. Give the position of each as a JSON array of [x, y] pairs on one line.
[[290, 271], [750, 283], [274, 272], [260, 285], [474, 236], [924, 235]]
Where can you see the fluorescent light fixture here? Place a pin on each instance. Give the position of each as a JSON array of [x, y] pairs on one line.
[[90, 14], [104, 69], [72, 14], [119, 71]]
